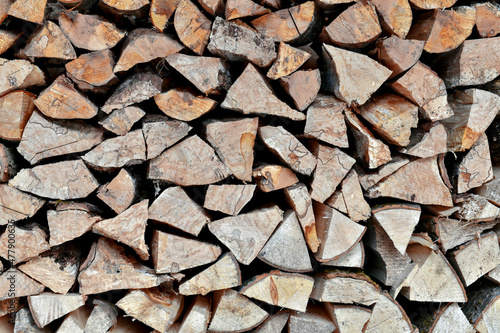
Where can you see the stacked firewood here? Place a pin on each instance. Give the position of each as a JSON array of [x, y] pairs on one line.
[[249, 165]]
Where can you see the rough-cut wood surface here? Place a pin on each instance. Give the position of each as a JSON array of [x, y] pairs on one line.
[[354, 258], [48, 42], [198, 316], [161, 133], [119, 193], [121, 121], [25, 322], [357, 207], [119, 6], [315, 319], [161, 11], [475, 169], [19, 74], [289, 60], [102, 318], [16, 205], [8, 164], [451, 316], [15, 109], [184, 104], [192, 26], [75, 321], [274, 177], [35, 12], [429, 140], [487, 19], [491, 190], [395, 16], [243, 8], [274, 323], [8, 39], [388, 316], [93, 71], [26, 286], [228, 199], [348, 318], [59, 305], [302, 86], [398, 54]]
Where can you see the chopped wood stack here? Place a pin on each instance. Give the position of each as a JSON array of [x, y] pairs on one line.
[[249, 165]]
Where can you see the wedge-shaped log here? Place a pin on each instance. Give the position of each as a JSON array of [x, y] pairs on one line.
[[274, 177], [121, 121], [357, 207], [483, 306], [16, 109], [243, 8], [491, 189], [289, 60], [120, 192], [103, 316], [19, 74], [395, 16], [48, 41], [302, 86], [16, 205], [388, 316], [192, 26], [25, 322], [475, 169], [432, 4], [28, 10], [59, 305], [23, 285], [161, 133], [83, 71], [450, 316], [348, 318], [184, 104], [429, 140], [398, 54], [368, 178], [487, 19], [161, 11], [274, 323], [228, 199], [315, 319], [354, 258], [197, 317]]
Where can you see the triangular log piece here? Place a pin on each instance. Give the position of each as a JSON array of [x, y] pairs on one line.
[[59, 305], [213, 7], [74, 321], [451, 316], [8, 39], [103, 317], [228, 199], [78, 70], [184, 104], [15, 110], [303, 86], [192, 26], [121, 121], [487, 19], [20, 285], [357, 207], [429, 140], [197, 316], [388, 316], [395, 17], [275, 323], [483, 307], [19, 74], [491, 189], [31, 240], [119, 193], [475, 169], [315, 319], [48, 41], [161, 11], [494, 275], [160, 133], [28, 10], [354, 258], [243, 8], [274, 177], [369, 178], [25, 322], [289, 60], [398, 54], [348, 318], [16, 205], [336, 200]]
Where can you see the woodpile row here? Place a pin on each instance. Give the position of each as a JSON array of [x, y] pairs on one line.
[[249, 165]]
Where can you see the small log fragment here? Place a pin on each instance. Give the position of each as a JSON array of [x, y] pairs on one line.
[[345, 288], [135, 89], [237, 43], [25, 323], [388, 316], [299, 199], [348, 318], [223, 274], [392, 117], [369, 150], [107, 267], [483, 307], [395, 16], [161, 133], [48, 41], [287, 290], [119, 193], [357, 207], [333, 165], [178, 166], [228, 199], [121, 121], [8, 39], [234, 142], [192, 26], [491, 189], [487, 19], [44, 138], [252, 94], [476, 258], [369, 178], [172, 254], [336, 200], [429, 140], [213, 7], [355, 27], [61, 100], [274, 323], [413, 182], [16, 205], [8, 165], [450, 316], [475, 169], [289, 60], [75, 321], [233, 312], [474, 110], [103, 317], [432, 4], [154, 307], [93, 71], [14, 283], [354, 258], [286, 249], [274, 177], [336, 232], [443, 30], [15, 109], [245, 235], [292, 25], [56, 268], [118, 152], [209, 74], [161, 11], [243, 8], [28, 10], [325, 121], [494, 275], [197, 316], [175, 208], [315, 319], [398, 54], [288, 148], [355, 77], [474, 207], [184, 104], [59, 305], [302, 86], [424, 87], [19, 74]]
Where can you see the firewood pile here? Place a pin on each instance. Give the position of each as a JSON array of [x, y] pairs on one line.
[[249, 165]]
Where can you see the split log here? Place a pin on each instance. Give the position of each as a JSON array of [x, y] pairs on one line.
[[8, 39], [388, 316], [483, 306], [355, 76], [178, 165], [123, 7], [345, 288], [494, 275], [75, 321], [175, 208], [19, 74], [443, 30], [121, 121], [28, 10], [287, 290], [245, 235], [233, 312], [325, 121], [154, 307], [161, 11], [429, 140], [59, 305], [336, 232], [209, 74], [15, 109], [93, 71], [491, 189], [392, 117], [476, 258], [135, 89], [107, 267], [197, 316], [348, 318], [243, 8], [474, 110], [396, 16], [184, 104], [228, 199], [474, 207], [357, 207], [288, 148], [160, 133], [292, 25], [103, 317], [15, 283], [48, 41], [332, 166], [475, 169], [356, 27], [8, 165], [234, 142], [274, 323], [44, 138], [213, 7], [25, 322], [236, 43], [369, 150], [315, 319], [274, 177], [16, 205], [224, 274], [302, 86], [172, 254], [424, 87], [370, 178], [192, 26], [252, 94], [119, 193], [354, 258], [432, 4], [449, 316], [299, 199], [336, 200], [487, 19], [61, 100], [286, 249], [398, 54], [413, 182]]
